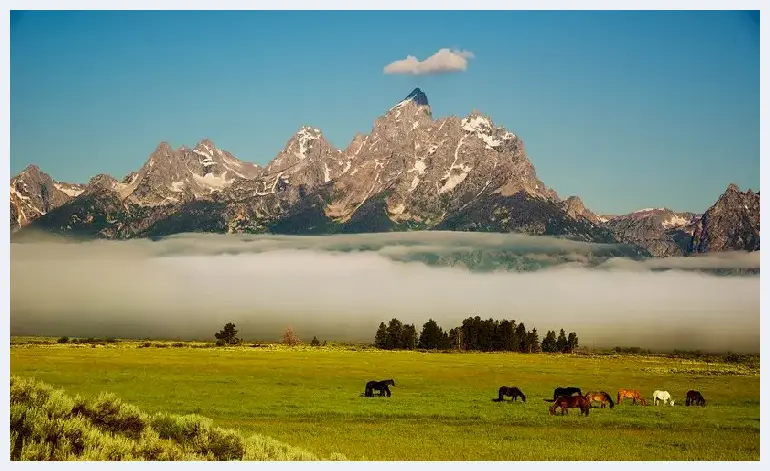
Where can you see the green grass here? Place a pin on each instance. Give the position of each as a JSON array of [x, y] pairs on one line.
[[441, 407]]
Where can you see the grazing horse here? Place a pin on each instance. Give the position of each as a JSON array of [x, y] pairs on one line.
[[513, 392], [600, 396], [695, 398], [662, 396], [381, 386], [571, 402], [632, 394], [564, 392]]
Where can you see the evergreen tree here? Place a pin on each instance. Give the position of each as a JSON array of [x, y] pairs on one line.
[[455, 340], [549, 342], [572, 342], [315, 342], [521, 338], [533, 341], [380, 338], [506, 335], [431, 336], [228, 335], [561, 342], [393, 339], [408, 337], [446, 342]]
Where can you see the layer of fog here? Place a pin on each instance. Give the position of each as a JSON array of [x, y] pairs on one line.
[[342, 287]]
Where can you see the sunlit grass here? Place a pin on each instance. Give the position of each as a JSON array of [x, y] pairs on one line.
[[441, 407]]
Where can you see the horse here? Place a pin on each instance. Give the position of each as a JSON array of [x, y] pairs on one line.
[[381, 386], [632, 394], [695, 398], [571, 402], [600, 396], [662, 396], [513, 392], [569, 391]]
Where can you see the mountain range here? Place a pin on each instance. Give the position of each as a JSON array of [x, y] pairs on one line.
[[411, 172]]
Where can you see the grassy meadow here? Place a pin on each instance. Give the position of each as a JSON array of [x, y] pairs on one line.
[[441, 407]]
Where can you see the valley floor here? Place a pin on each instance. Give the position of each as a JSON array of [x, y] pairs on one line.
[[441, 407]]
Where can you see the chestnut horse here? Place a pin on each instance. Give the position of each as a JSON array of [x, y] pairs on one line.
[[632, 394], [695, 398], [600, 396], [570, 402]]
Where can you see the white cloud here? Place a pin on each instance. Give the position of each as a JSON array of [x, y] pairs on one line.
[[443, 62]]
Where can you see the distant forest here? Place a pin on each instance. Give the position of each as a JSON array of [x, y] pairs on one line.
[[475, 334]]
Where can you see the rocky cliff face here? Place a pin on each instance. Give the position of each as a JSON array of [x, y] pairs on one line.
[[661, 231], [33, 194], [732, 223]]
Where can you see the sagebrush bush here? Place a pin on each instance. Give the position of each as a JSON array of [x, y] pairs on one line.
[[46, 424]]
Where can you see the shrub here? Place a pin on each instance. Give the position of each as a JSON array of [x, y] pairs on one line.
[[64, 339], [46, 424], [315, 342]]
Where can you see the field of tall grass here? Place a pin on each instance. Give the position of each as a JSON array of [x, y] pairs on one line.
[[441, 408]]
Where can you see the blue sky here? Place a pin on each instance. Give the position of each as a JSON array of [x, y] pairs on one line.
[[624, 109]]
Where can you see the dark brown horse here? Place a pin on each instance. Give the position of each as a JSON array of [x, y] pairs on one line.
[[513, 392], [381, 386], [569, 391], [571, 402], [695, 398], [632, 394], [600, 396]]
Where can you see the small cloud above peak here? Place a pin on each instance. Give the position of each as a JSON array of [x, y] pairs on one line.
[[443, 62]]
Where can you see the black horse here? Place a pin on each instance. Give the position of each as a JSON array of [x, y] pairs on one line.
[[695, 398], [513, 392], [566, 392], [381, 386]]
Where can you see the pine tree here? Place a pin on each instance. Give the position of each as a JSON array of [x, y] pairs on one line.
[[533, 341], [227, 335], [549, 342], [393, 338], [409, 337], [431, 336], [381, 336], [561, 342], [521, 338], [572, 342]]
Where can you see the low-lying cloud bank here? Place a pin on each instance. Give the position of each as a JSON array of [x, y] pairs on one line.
[[342, 287]]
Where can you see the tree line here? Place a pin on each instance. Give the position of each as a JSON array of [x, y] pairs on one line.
[[474, 334]]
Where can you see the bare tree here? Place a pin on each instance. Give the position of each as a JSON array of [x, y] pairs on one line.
[[289, 338]]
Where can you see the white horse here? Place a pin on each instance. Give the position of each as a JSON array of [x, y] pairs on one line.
[[662, 396]]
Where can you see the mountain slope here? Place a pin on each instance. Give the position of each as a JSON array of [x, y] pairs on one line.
[[33, 193], [660, 231], [732, 223], [411, 172]]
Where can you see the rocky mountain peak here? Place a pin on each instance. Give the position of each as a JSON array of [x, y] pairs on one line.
[[418, 96], [102, 180], [574, 207], [732, 223]]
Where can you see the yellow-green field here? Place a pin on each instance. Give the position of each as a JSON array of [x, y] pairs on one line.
[[441, 407]]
